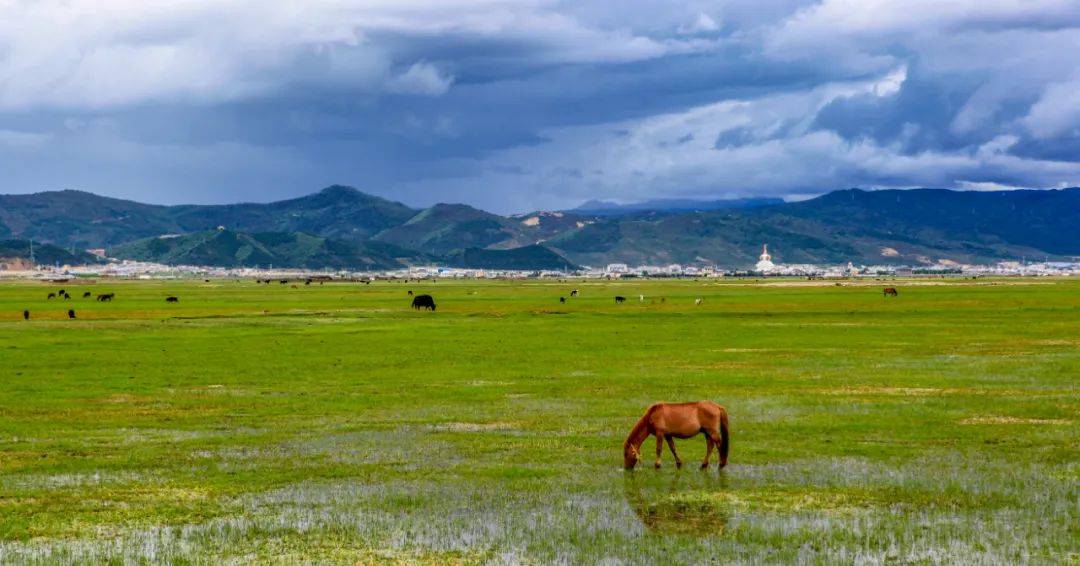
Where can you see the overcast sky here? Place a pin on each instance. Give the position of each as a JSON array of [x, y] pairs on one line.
[[534, 104]]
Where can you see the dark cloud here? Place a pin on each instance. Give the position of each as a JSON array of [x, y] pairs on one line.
[[511, 105]]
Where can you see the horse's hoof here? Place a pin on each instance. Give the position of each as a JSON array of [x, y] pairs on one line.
[[678, 465], [657, 465], [705, 466]]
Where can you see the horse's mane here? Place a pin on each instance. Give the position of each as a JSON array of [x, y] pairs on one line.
[[642, 424]]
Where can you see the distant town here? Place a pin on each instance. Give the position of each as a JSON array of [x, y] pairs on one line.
[[765, 267]]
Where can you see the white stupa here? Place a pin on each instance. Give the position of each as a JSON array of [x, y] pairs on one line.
[[764, 260]]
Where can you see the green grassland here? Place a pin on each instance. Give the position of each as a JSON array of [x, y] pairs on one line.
[[334, 423]]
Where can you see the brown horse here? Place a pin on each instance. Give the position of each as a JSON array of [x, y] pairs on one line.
[[667, 421], [890, 291]]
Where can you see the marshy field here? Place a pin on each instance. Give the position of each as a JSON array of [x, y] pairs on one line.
[[333, 423]]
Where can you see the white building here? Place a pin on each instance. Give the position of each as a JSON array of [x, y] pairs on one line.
[[764, 263]]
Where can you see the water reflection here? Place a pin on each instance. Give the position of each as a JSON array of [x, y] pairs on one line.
[[686, 504]]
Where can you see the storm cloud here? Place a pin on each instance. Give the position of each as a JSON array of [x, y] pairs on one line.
[[535, 104]]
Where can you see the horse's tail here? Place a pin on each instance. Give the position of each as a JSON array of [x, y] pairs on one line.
[[725, 441]]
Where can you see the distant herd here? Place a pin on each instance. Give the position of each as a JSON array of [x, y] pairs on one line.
[[419, 302]]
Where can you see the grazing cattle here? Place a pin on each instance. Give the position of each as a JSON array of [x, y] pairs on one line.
[[294, 286], [205, 280], [61, 292], [51, 296], [667, 421], [66, 296], [641, 298], [307, 282], [172, 299], [71, 313], [283, 281], [619, 299], [106, 297], [423, 302], [86, 295], [573, 292], [890, 291], [26, 315], [410, 293], [562, 299], [698, 301]]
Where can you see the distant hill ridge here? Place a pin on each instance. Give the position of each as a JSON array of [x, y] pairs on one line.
[[669, 206], [342, 226]]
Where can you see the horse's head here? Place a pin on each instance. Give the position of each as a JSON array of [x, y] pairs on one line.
[[630, 456]]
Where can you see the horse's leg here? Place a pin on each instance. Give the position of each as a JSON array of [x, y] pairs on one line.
[[671, 445], [714, 437], [659, 447], [708, 451]]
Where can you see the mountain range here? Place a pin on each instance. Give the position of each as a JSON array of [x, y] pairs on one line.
[[342, 227]]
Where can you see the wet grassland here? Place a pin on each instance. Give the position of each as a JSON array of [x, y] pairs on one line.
[[334, 423]]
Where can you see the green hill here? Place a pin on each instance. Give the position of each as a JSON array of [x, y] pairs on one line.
[[446, 228], [891, 227], [226, 248], [524, 258], [87, 220], [18, 251]]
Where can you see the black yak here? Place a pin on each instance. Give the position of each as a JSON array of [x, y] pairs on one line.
[[423, 302]]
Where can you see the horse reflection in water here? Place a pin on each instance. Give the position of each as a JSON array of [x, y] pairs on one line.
[[672, 505]]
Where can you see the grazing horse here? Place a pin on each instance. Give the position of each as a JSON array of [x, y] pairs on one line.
[[890, 291], [26, 315], [106, 297], [86, 295], [619, 299], [410, 293], [51, 296], [698, 301], [562, 299], [423, 302], [172, 299], [71, 313], [573, 292], [667, 421]]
